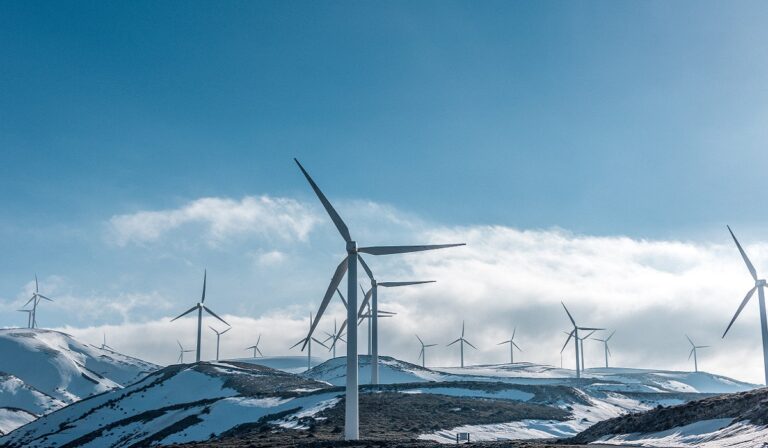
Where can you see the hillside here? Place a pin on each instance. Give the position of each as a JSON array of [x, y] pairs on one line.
[[44, 370]]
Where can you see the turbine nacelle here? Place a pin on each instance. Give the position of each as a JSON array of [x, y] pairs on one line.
[[760, 282]]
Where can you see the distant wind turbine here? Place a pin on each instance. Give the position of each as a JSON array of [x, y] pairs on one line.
[[759, 286], [332, 337], [693, 353], [104, 345], [35, 300], [200, 306], [575, 335], [29, 317], [512, 346], [308, 343], [218, 338], [255, 347], [462, 341], [349, 266], [581, 342], [605, 346], [181, 352], [423, 352]]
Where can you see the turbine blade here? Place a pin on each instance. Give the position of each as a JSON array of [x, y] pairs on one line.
[[514, 330], [366, 268], [43, 297], [569, 314], [214, 330], [258, 340], [226, 330], [341, 329], [185, 313], [462, 329], [365, 302], [341, 269], [214, 314], [457, 340], [744, 255], [390, 250], [420, 341], [431, 345], [689, 340], [259, 352], [31, 299], [343, 300], [590, 328], [570, 335], [517, 346], [177, 341], [342, 228], [741, 307], [691, 354], [470, 344], [294, 345], [609, 337], [393, 284], [205, 277], [36, 285], [421, 353], [319, 342], [505, 342]]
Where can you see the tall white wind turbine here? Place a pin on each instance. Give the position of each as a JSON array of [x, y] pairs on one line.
[[694, 352], [349, 266], [181, 352], [605, 346], [423, 352], [512, 346], [577, 341], [35, 300], [218, 338], [255, 347], [200, 306], [462, 342], [759, 286]]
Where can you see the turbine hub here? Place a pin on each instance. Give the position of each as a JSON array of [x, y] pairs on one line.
[[760, 282], [373, 282], [351, 247]]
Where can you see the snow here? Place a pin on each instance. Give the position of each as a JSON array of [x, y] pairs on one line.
[[11, 419], [290, 364], [391, 371], [714, 433], [506, 394]]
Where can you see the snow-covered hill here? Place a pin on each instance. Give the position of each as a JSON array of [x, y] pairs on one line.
[[179, 403], [290, 364], [44, 370]]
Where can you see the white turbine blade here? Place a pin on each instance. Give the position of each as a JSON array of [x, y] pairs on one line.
[[341, 269], [744, 255], [394, 284], [43, 297], [37, 288], [258, 340], [327, 204], [319, 342], [702, 346], [420, 341], [569, 314], [609, 351], [366, 268], [689, 340], [341, 329], [691, 354], [609, 337], [457, 340], [514, 330], [431, 345], [517, 346], [505, 342], [391, 313], [226, 330], [343, 300], [462, 329], [31, 299], [301, 341], [177, 341], [214, 330], [421, 353], [592, 329], [214, 314], [390, 250], [185, 313], [570, 335], [588, 334], [741, 307], [205, 277], [470, 344], [259, 352]]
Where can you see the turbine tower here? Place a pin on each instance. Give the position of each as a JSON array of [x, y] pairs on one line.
[[605, 346], [181, 352], [35, 300], [760, 286], [349, 266], [575, 335], [255, 348], [200, 306], [423, 352], [512, 346], [693, 353], [462, 341], [581, 342], [104, 345], [29, 317], [218, 338]]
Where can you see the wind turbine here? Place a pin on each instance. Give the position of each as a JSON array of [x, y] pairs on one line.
[[200, 306], [181, 352], [605, 345], [463, 341], [366, 314], [423, 352], [104, 345], [308, 342], [581, 341], [759, 285], [575, 334], [255, 347], [29, 317], [372, 295], [512, 346], [35, 300], [332, 337], [349, 266], [218, 338], [694, 349]]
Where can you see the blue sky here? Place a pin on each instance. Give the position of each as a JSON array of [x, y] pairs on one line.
[[610, 119]]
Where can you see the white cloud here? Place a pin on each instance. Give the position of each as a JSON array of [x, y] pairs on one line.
[[221, 218]]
